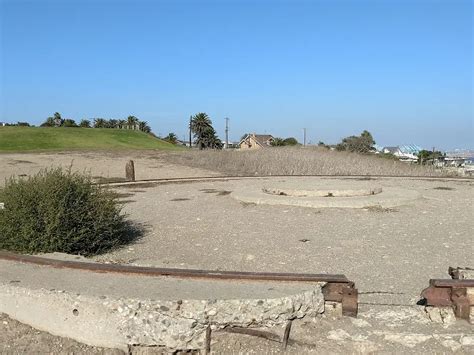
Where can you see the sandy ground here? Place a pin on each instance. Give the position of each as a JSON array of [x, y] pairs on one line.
[[148, 164], [18, 338], [390, 254]]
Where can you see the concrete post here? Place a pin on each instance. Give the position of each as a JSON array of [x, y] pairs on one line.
[[130, 171]]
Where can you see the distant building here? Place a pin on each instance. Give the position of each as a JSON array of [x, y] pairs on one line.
[[408, 153], [256, 141], [3, 124]]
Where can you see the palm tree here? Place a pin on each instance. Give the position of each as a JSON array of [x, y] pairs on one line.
[[172, 138], [143, 126], [85, 124], [122, 124], [132, 121], [209, 139], [200, 126], [48, 123], [100, 123], [112, 123]]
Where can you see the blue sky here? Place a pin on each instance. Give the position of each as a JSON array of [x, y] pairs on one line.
[[400, 69]]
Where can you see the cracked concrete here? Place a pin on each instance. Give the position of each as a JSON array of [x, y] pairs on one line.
[[113, 310]]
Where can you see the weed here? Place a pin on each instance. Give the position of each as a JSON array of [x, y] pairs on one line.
[[296, 161]]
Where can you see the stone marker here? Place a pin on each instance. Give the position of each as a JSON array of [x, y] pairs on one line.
[[130, 171]]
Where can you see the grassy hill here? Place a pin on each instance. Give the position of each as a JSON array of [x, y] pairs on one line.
[[14, 139]]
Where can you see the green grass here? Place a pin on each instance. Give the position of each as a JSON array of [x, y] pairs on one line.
[[18, 139]]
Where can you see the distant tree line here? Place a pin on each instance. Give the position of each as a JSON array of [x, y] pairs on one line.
[[131, 122]]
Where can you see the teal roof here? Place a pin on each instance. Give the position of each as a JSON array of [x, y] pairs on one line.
[[410, 149]]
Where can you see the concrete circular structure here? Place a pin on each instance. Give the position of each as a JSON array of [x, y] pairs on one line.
[[325, 193], [322, 193]]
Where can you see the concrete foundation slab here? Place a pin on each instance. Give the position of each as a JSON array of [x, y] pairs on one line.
[[113, 310], [324, 193]]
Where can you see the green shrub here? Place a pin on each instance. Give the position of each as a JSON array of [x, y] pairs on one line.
[[61, 211]]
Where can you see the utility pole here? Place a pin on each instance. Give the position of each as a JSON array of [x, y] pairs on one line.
[[190, 119], [226, 132], [304, 137]]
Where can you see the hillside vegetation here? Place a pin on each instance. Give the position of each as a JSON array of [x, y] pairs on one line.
[[297, 161], [16, 139]]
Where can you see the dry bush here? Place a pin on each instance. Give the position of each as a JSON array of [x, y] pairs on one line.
[[297, 161]]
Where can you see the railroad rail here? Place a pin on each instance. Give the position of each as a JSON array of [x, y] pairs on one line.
[[337, 287], [160, 181]]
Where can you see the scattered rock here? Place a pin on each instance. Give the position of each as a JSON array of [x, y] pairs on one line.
[[467, 341], [338, 335], [408, 340], [361, 323]]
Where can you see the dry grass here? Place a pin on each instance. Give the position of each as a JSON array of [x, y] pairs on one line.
[[296, 161]]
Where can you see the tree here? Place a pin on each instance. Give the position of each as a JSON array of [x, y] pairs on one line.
[[54, 121], [122, 124], [85, 124], [100, 123], [144, 127], [280, 142], [290, 141], [112, 123], [426, 155], [358, 144], [171, 138], [68, 122], [48, 123], [204, 133], [132, 122], [58, 120], [210, 140], [277, 142]]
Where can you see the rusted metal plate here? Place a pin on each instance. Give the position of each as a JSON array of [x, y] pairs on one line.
[[350, 304], [344, 293], [437, 296], [450, 293]]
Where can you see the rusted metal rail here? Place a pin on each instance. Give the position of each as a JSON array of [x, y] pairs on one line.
[[450, 293], [337, 288], [197, 179]]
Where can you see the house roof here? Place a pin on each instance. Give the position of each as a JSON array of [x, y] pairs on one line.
[[261, 139], [410, 149]]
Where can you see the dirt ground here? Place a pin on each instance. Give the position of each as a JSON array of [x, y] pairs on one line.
[[389, 253], [109, 165]]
